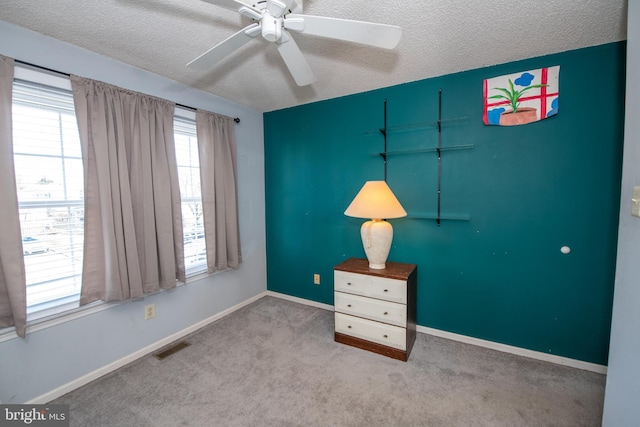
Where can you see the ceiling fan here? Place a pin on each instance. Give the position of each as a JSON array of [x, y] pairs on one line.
[[272, 19]]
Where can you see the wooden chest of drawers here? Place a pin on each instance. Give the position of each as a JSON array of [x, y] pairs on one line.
[[376, 309]]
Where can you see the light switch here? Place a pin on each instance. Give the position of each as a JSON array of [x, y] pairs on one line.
[[635, 202]]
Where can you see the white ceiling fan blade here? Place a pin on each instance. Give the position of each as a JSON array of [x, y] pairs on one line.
[[228, 46], [369, 33], [232, 4], [297, 65]]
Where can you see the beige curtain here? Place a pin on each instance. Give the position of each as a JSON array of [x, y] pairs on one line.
[[133, 223], [13, 285], [218, 179]]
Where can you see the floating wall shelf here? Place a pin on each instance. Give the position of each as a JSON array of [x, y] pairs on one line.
[[456, 121], [443, 217], [425, 150]]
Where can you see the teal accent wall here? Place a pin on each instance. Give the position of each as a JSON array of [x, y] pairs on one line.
[[495, 271]]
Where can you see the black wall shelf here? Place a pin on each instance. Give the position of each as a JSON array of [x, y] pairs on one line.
[[439, 125], [426, 150], [443, 217], [425, 126]]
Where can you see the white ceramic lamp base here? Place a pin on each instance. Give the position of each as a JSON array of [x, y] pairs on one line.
[[376, 239]]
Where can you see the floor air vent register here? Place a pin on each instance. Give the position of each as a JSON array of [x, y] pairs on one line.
[[172, 349]]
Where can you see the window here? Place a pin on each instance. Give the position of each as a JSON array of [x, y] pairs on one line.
[[50, 188], [195, 258], [50, 183]]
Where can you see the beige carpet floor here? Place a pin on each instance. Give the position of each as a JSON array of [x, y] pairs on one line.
[[274, 363]]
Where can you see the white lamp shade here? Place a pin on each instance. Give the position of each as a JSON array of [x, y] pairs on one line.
[[375, 200]]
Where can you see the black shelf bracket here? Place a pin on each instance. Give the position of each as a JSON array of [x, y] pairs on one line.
[[439, 152], [383, 131]]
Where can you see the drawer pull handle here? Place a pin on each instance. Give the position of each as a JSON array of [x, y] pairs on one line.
[[386, 336], [349, 326], [348, 283], [386, 290], [348, 305], [386, 312]]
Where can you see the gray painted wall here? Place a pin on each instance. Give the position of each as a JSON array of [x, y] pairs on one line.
[[622, 396], [60, 354]]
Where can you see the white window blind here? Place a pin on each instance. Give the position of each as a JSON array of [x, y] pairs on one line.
[[50, 183], [189, 176]]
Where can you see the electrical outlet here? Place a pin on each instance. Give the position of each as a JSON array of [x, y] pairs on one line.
[[635, 202], [149, 311], [316, 279]]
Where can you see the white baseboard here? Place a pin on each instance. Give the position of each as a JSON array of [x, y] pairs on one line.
[[300, 300], [85, 379], [559, 360]]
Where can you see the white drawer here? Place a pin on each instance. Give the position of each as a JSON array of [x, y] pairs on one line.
[[381, 333], [369, 308], [371, 286]]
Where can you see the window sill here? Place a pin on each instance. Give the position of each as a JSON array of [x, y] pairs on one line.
[[39, 324], [36, 323]]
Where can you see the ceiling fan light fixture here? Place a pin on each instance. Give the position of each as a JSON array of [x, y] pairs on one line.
[[295, 24], [276, 8], [271, 28]]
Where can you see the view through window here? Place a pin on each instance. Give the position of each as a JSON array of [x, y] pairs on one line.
[[195, 258], [49, 178]]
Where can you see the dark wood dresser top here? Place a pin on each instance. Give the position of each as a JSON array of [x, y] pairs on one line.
[[394, 270]]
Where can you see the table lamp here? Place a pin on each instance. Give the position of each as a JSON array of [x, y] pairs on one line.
[[376, 201]]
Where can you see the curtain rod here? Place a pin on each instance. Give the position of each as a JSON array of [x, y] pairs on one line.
[[51, 70], [235, 119]]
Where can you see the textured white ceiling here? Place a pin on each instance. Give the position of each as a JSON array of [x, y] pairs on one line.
[[439, 37]]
